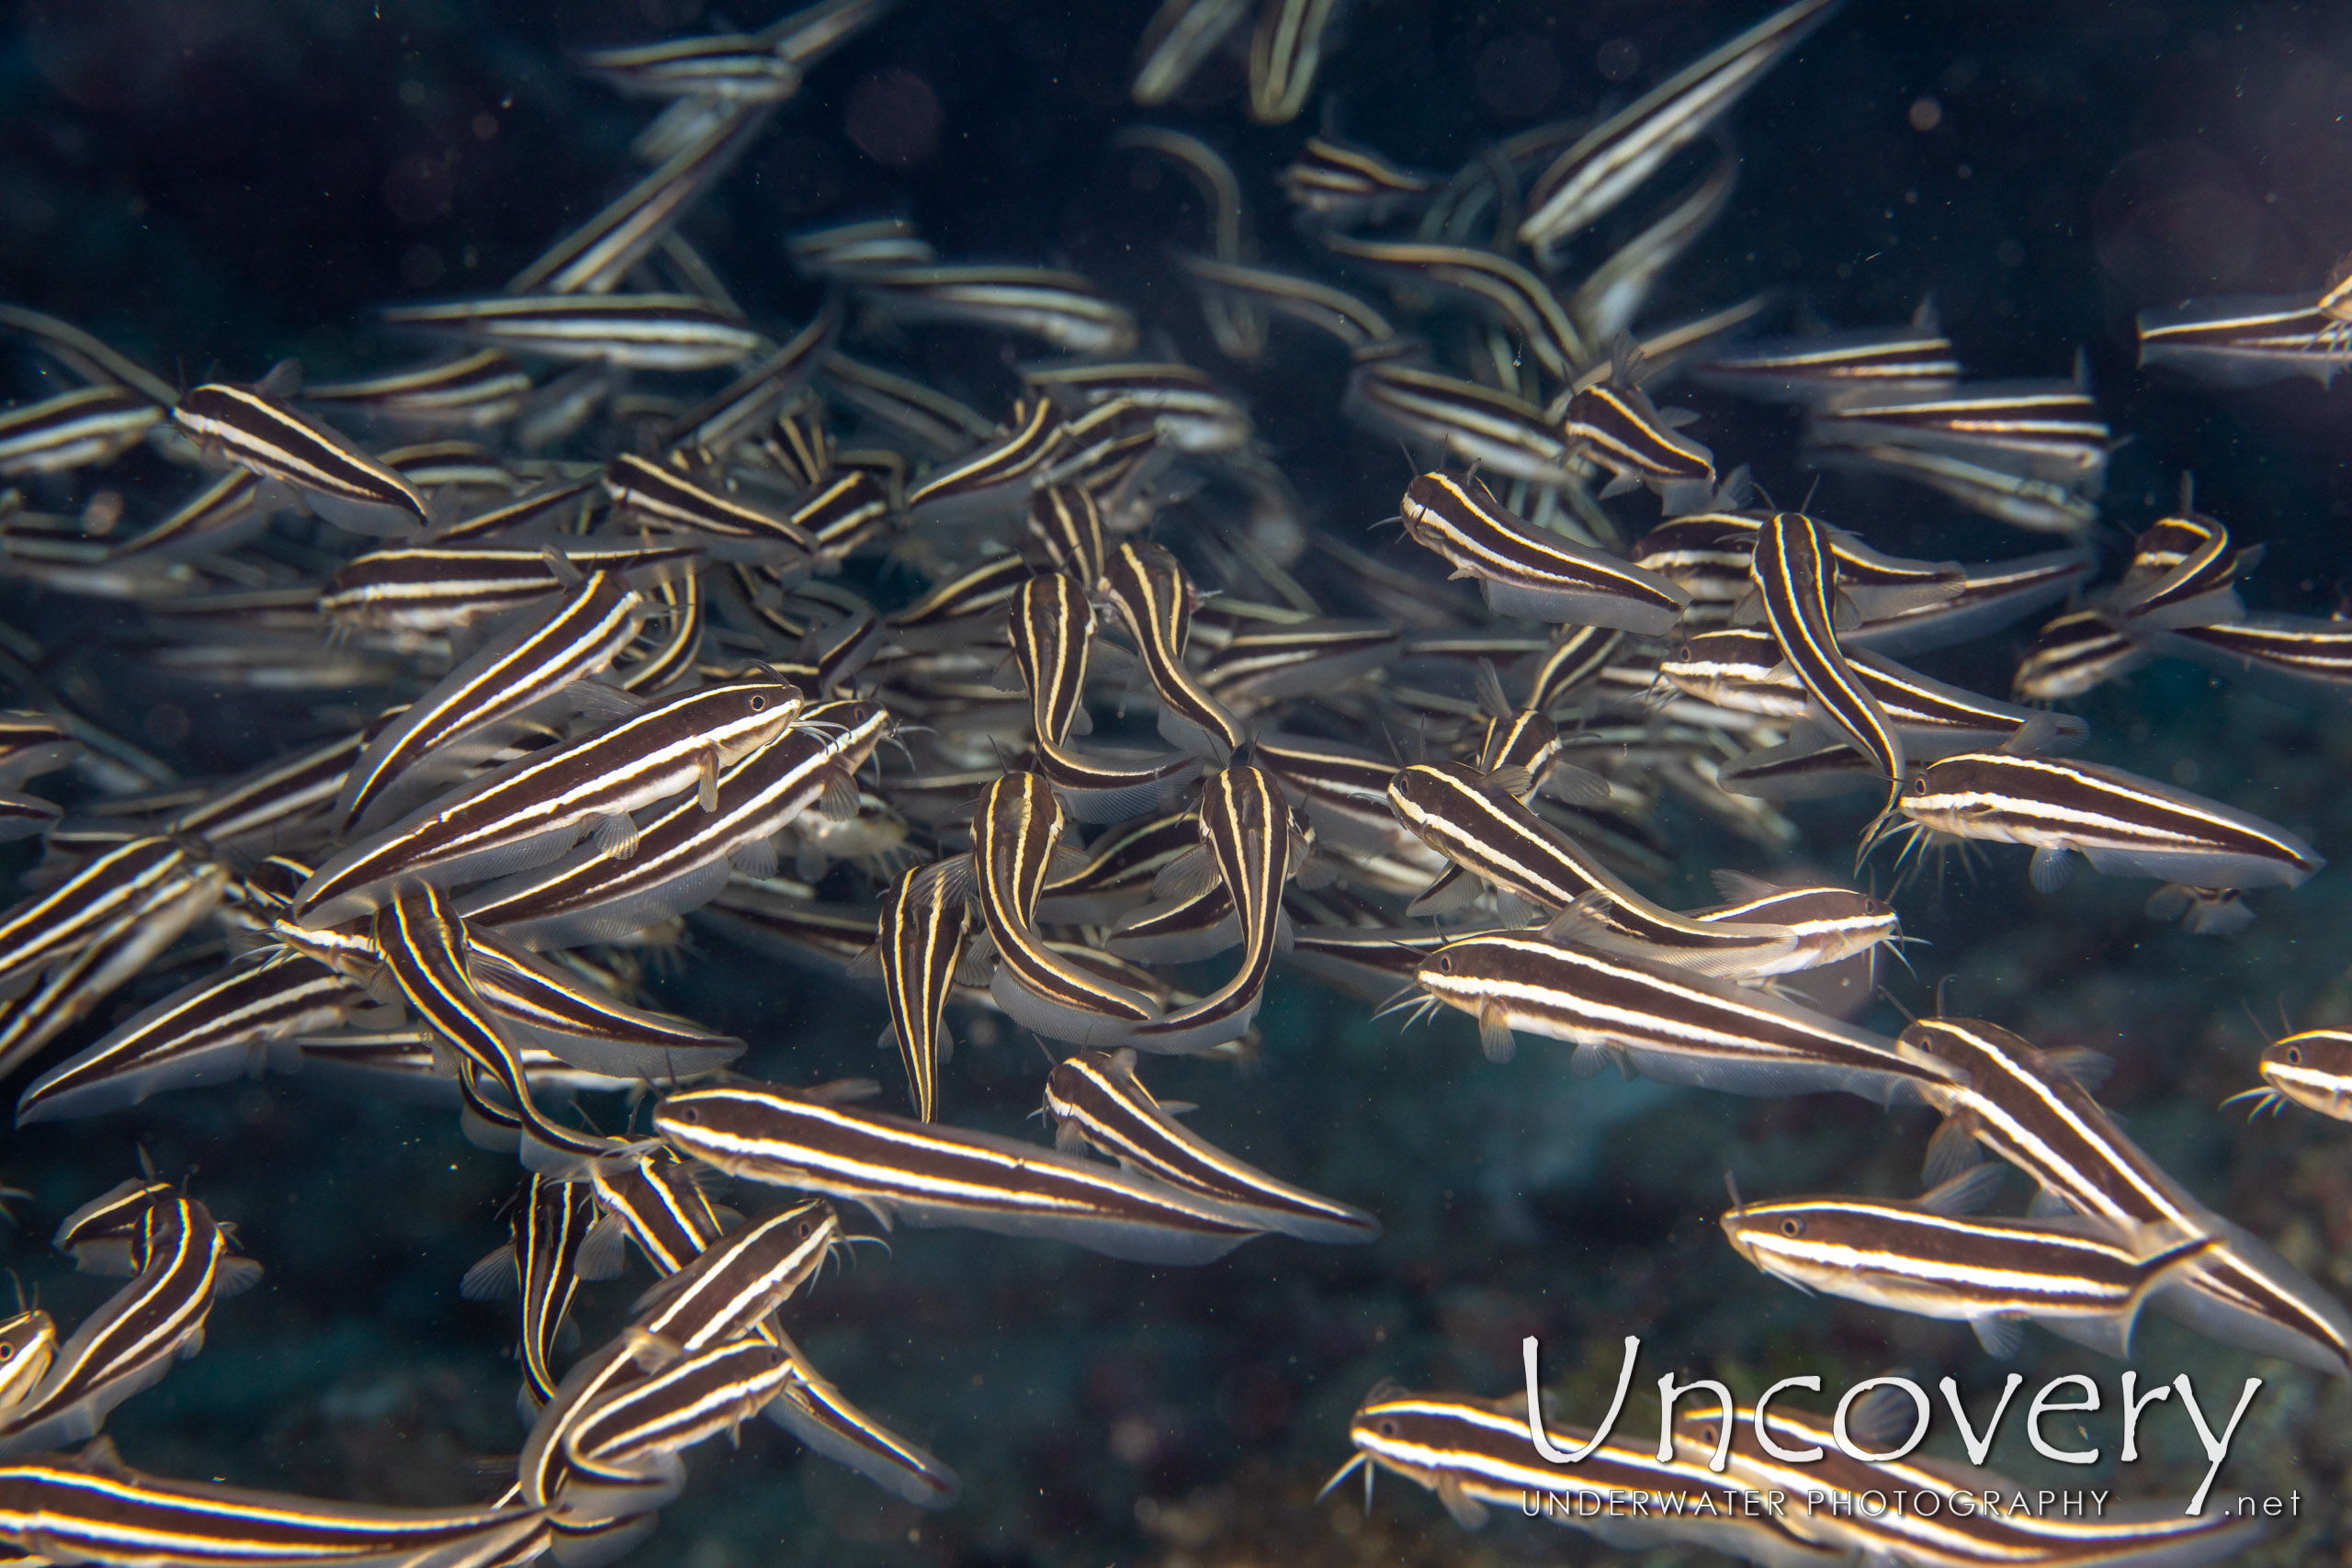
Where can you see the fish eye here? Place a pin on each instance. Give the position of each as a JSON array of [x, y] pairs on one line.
[[758, 702], [2294, 1055], [1445, 966], [1387, 1429], [1792, 1227], [1707, 1432], [804, 1230], [1918, 784], [688, 1114]]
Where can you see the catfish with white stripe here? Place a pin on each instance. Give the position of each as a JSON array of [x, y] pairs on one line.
[[1913, 357], [1495, 285], [1987, 599], [1051, 628], [928, 1175], [131, 1340], [529, 814], [2123, 824], [2312, 1068], [1526, 571], [630, 332], [2074, 653], [2030, 1108], [1806, 1459], [2248, 340], [462, 392], [56, 923], [1119, 868], [436, 587], [28, 1345], [1095, 1098], [661, 493], [1609, 421], [998, 479], [1483, 830], [1591, 177], [1929, 1257], [1309, 657], [92, 1509], [548, 658], [1016, 829], [1063, 309], [684, 855], [813, 1410], [1614, 295], [2042, 506], [1391, 394], [256, 429], [554, 1242], [951, 612], [621, 1449], [216, 1030], [1797, 590], [1477, 1454], [1249, 837], [1667, 1023], [1336, 184], [424, 947], [79, 428], [926, 925], [1155, 599], [2044, 430], [1318, 304]]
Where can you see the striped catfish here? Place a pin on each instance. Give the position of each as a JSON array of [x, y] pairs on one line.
[[80, 429], [1603, 167], [1609, 421], [1494, 284], [654, 1196], [2042, 506], [1615, 294], [1478, 825], [255, 428], [92, 1509], [2030, 1108], [554, 1243], [620, 1450], [1798, 1454], [1350, 320], [1915, 356], [131, 1340], [1063, 309], [640, 331], [2123, 824], [1531, 572], [550, 657], [1248, 837], [952, 611], [461, 392], [928, 1175], [527, 814], [209, 1031], [1155, 599], [2074, 653], [1929, 1257], [1986, 599], [1016, 829], [441, 587], [2045, 430], [1797, 590], [1095, 1098], [684, 855], [2298, 657], [423, 944], [2313, 1068], [2246, 341], [1119, 868], [1479, 1454], [1668, 1023], [1050, 625], [54, 924], [646, 491], [926, 926], [1391, 394], [1339, 185], [28, 1346]]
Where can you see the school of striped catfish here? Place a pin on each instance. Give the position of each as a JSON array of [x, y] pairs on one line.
[[665, 619]]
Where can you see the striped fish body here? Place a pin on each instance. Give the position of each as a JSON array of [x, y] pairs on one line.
[[1063, 308], [2042, 429], [1120, 868], [685, 853], [204, 1033], [1906, 1258], [1496, 431], [1338, 185], [1989, 599], [531, 812], [1796, 589], [438, 588], [1050, 625], [581, 1025], [649, 491], [1669, 1023], [1531, 572], [1311, 657], [85, 1511], [824, 1419], [925, 925], [2299, 658], [2074, 653], [1831, 924], [655, 1197], [130, 1342], [1614, 423], [79, 428], [542, 1263], [54, 924], [1477, 1455], [724, 66], [2123, 824], [950, 613], [1016, 830], [622, 1439], [1246, 831], [2248, 340], [1916, 357], [1602, 168], [929, 1174], [579, 639], [1495, 285], [335, 479], [2042, 506], [1155, 599], [469, 391], [1096, 1097], [28, 1346], [1929, 1531], [639, 332]]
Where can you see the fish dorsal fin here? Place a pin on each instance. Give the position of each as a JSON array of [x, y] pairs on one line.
[[1739, 887], [283, 381], [1882, 1418], [841, 1091], [1966, 1193], [2035, 734], [1951, 1151], [2089, 1069], [1627, 364], [1926, 318], [492, 1278], [1490, 691], [601, 1252]]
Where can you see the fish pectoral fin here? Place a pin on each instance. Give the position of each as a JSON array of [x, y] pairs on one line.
[[839, 802], [1467, 1511], [614, 837], [1587, 1060], [1953, 1151], [1966, 1193], [2001, 1337], [1495, 1037], [2051, 868], [708, 793], [2050, 1205]]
